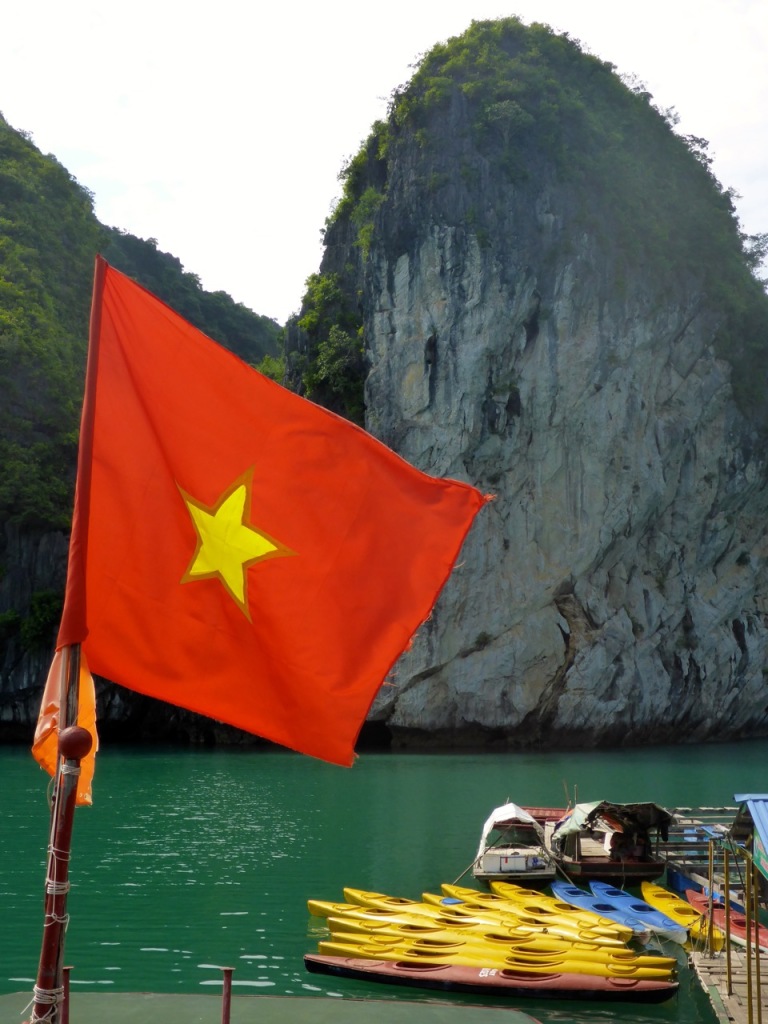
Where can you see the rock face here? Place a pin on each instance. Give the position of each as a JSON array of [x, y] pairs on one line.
[[33, 562], [615, 590]]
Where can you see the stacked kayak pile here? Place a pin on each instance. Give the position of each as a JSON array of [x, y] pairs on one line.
[[660, 914], [517, 942]]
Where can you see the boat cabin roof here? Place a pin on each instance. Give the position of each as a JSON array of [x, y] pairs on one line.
[[508, 816], [605, 816]]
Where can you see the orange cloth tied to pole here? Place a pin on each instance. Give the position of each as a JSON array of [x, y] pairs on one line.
[[45, 747]]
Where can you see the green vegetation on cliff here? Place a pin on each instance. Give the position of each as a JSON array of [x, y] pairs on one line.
[[507, 108], [49, 237], [332, 375]]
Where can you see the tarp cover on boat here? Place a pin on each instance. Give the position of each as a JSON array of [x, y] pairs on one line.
[[604, 816], [756, 804], [506, 817]]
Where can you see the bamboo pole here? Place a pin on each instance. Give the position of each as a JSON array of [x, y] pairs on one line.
[[727, 896], [711, 915], [748, 915], [756, 920]]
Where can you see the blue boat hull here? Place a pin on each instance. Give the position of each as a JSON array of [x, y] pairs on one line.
[[584, 900], [655, 920]]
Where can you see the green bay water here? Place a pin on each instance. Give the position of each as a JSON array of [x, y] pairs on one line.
[[193, 860]]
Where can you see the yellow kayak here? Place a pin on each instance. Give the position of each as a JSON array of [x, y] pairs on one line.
[[352, 925], [541, 945], [324, 908], [514, 916], [402, 924], [686, 915], [512, 891], [538, 907], [463, 919], [380, 901], [423, 951], [512, 913]]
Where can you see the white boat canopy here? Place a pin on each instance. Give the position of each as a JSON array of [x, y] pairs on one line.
[[506, 817]]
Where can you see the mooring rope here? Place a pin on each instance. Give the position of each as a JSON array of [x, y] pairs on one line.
[[50, 997]]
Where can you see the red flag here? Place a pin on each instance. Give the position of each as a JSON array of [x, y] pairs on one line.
[[238, 550]]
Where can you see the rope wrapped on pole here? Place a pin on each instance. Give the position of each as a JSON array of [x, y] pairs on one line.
[[74, 743]]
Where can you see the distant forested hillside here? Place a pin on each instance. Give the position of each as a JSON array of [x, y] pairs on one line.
[[249, 336], [49, 237]]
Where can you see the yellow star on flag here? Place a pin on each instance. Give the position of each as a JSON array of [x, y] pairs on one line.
[[226, 543]]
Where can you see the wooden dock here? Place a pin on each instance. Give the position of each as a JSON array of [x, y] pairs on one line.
[[744, 998], [696, 850], [707, 847]]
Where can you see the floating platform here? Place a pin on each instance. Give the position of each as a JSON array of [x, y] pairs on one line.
[[150, 1008]]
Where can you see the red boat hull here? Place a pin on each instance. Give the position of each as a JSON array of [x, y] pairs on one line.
[[492, 981], [738, 923]]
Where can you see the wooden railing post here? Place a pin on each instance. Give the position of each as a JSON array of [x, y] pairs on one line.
[[226, 995]]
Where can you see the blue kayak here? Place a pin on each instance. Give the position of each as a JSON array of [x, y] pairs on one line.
[[595, 904], [661, 925]]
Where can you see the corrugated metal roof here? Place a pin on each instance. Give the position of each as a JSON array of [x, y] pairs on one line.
[[757, 805]]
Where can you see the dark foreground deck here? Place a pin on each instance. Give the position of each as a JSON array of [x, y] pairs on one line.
[[149, 1008]]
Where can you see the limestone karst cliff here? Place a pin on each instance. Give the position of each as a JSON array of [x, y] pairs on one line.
[[553, 293]]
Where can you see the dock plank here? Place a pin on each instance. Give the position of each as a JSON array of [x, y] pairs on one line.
[[733, 1006]]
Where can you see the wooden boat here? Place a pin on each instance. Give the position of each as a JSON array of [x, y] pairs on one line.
[[657, 921], [669, 903], [736, 923], [512, 847], [467, 955], [592, 904], [605, 840], [493, 943], [491, 981], [531, 905]]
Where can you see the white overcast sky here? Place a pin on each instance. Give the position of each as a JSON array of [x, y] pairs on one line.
[[219, 129]]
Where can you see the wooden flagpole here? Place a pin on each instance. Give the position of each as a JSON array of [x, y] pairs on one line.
[[74, 741], [74, 744]]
